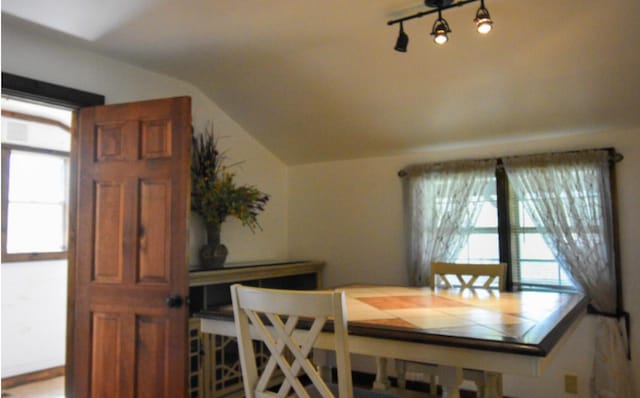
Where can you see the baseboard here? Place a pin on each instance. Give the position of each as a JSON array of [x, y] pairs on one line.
[[25, 378]]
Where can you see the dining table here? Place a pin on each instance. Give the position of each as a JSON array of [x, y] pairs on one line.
[[488, 330]]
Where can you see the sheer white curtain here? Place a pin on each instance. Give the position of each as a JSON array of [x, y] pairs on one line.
[[569, 199], [442, 206]]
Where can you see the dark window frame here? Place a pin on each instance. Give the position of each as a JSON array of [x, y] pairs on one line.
[[28, 89]]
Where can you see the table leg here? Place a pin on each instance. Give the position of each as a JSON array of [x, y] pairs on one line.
[[450, 379], [382, 380]]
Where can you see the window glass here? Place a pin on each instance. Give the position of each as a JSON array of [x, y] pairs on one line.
[[488, 216], [533, 262], [35, 228], [37, 207], [482, 246], [34, 134], [37, 177], [543, 273], [35, 145], [532, 246], [35, 125], [45, 111]]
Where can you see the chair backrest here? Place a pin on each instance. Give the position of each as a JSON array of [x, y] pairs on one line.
[[467, 275], [272, 316]]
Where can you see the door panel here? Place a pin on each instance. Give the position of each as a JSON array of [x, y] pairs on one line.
[[155, 213], [107, 329], [107, 233], [151, 357], [130, 250], [156, 139]]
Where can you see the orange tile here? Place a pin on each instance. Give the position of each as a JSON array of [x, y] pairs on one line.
[[398, 302]]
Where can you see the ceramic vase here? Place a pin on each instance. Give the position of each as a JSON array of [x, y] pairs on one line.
[[213, 254]]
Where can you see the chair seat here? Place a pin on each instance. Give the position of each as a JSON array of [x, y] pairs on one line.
[[357, 392]]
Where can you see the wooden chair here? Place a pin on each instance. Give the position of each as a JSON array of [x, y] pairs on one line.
[[289, 322], [465, 276]]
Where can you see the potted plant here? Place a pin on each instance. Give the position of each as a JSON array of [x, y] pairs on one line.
[[215, 195]]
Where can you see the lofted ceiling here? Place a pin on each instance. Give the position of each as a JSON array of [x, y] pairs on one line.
[[316, 81]]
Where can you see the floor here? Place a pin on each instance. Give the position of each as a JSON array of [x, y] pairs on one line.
[[52, 388]]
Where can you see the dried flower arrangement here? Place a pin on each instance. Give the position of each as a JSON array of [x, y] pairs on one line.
[[214, 193]]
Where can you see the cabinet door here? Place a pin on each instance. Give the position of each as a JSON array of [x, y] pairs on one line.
[[128, 270]]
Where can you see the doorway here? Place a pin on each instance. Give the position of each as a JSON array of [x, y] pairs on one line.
[[35, 191], [36, 123]]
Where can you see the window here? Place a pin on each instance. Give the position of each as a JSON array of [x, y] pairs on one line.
[[35, 180], [482, 245], [470, 212], [533, 262]]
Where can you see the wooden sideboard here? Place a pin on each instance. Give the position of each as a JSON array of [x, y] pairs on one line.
[[213, 360]]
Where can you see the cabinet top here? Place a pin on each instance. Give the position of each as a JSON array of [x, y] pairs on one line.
[[237, 272]]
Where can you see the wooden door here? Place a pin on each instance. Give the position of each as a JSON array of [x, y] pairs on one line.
[[128, 266]]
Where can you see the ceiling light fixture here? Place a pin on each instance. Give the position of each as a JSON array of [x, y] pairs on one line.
[[403, 41], [441, 28], [483, 21]]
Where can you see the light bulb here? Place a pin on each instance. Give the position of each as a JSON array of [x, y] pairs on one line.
[[483, 21], [440, 30], [441, 38], [484, 26]]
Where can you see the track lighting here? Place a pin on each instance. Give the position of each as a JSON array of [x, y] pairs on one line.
[[403, 41], [441, 29], [483, 20]]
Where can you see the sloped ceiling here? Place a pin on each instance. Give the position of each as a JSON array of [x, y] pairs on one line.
[[318, 80]]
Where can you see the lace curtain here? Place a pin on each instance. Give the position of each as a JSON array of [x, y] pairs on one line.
[[568, 197], [439, 202]]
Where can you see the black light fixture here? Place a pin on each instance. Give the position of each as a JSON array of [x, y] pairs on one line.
[[483, 21], [403, 41], [441, 29]]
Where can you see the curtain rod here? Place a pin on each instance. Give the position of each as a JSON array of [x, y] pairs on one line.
[[614, 157]]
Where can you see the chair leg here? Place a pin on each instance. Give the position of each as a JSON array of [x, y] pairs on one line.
[[433, 385], [481, 387], [450, 378], [321, 357], [401, 369], [479, 378], [494, 385]]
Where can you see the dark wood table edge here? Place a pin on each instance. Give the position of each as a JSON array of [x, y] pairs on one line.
[[539, 341]]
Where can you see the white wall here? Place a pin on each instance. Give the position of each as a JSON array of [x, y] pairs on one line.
[[34, 309], [40, 56], [349, 213]]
